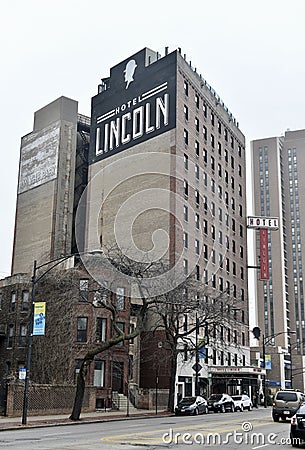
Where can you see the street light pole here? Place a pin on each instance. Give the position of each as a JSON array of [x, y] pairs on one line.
[[265, 374], [29, 351], [196, 358]]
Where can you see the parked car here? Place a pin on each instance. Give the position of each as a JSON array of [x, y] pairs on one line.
[[221, 403], [242, 402], [297, 427], [192, 405], [286, 403]]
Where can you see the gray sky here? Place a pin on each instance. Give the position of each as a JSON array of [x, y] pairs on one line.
[[251, 53]]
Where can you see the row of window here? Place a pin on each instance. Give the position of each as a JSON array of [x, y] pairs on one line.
[[101, 330], [227, 159], [212, 280], [212, 254], [229, 180], [24, 306], [222, 130]]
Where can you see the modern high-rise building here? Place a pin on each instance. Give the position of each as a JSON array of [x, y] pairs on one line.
[[277, 167]]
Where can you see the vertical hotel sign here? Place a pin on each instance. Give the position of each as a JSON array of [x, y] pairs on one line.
[[264, 259], [263, 224], [39, 318]]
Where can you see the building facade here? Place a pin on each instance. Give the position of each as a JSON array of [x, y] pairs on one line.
[[168, 157], [277, 164]]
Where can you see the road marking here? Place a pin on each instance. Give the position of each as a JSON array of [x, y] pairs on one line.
[[260, 446], [205, 430]]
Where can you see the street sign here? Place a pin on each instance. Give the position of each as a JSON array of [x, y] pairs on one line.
[[22, 373], [197, 367]]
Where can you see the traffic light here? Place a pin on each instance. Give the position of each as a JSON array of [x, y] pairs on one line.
[[256, 332]]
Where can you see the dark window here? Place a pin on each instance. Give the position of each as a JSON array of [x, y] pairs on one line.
[[12, 306], [185, 213], [186, 88], [10, 338], [205, 132], [121, 326], [186, 112], [22, 335], [120, 299], [186, 137], [197, 149], [82, 323], [83, 289], [101, 329], [197, 100], [25, 301]]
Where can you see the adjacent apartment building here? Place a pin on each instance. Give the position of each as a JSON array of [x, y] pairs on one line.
[[277, 165]]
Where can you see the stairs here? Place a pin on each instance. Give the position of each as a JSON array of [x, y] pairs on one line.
[[121, 404]]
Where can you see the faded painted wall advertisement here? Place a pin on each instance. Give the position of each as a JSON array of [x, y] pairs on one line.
[[38, 159]]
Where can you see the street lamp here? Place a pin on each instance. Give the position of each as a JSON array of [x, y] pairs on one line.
[[35, 280], [266, 341]]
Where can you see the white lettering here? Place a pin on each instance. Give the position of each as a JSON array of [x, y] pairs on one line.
[[114, 133], [162, 107], [148, 127], [125, 137], [137, 122]]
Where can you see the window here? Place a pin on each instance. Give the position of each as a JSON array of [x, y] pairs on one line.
[[197, 221], [131, 330], [197, 100], [25, 301], [197, 150], [212, 119], [219, 149], [197, 246], [242, 273], [212, 141], [205, 155], [197, 196], [233, 225], [197, 272], [83, 289], [82, 323], [219, 127], [232, 183], [10, 338], [213, 233], [0, 300], [240, 210], [197, 126], [226, 156], [205, 226], [205, 109], [212, 163], [232, 141], [205, 251], [12, 306], [121, 326], [185, 266], [78, 363], [185, 240], [22, 335], [120, 299], [185, 213], [219, 170], [186, 137], [186, 112], [99, 373], [240, 190], [239, 170], [101, 329], [186, 161], [186, 188], [186, 88], [197, 171], [205, 132], [232, 162], [225, 133]]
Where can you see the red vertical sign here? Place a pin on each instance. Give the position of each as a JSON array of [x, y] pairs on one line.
[[264, 254]]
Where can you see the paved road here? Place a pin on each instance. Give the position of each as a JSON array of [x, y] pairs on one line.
[[253, 430]]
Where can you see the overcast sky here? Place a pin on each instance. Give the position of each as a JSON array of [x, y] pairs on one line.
[[251, 53]]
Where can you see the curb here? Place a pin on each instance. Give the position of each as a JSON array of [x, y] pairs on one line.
[[67, 422]]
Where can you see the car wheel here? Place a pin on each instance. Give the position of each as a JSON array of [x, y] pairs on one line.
[[250, 408], [223, 408], [207, 410], [196, 412], [232, 408], [276, 418], [294, 441]]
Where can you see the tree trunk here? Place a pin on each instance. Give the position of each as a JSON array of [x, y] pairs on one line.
[[172, 381], [79, 395]]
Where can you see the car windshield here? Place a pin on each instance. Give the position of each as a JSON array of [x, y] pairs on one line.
[[236, 397], [215, 397], [287, 396], [187, 401]]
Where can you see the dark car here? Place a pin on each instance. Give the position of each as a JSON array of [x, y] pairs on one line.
[[297, 427], [221, 403], [191, 405]]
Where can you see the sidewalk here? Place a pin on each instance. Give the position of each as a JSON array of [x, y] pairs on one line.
[[12, 423]]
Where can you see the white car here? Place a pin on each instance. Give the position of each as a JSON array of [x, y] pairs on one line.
[[242, 402]]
